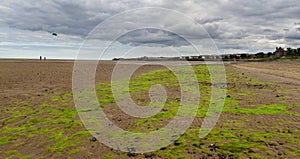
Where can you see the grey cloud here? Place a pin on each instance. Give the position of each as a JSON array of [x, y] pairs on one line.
[[231, 21], [152, 37], [293, 34], [65, 17], [269, 31], [209, 20], [275, 36], [295, 37]]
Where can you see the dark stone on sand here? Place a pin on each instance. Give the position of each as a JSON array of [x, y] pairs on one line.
[[131, 152], [149, 155], [251, 151], [221, 156], [272, 143], [176, 143], [230, 157], [94, 139]]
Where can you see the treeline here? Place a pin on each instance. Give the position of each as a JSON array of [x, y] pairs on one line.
[[278, 53]]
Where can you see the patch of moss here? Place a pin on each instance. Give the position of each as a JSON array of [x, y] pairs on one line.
[[109, 156], [266, 109], [68, 141], [6, 139], [75, 151]]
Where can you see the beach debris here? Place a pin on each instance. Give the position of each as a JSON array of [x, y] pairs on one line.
[[271, 143], [196, 145], [177, 143], [94, 139], [131, 152], [212, 147], [251, 150], [149, 155], [222, 156]]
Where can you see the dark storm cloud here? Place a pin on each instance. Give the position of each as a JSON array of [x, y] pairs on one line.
[[52, 16], [152, 37], [230, 20]]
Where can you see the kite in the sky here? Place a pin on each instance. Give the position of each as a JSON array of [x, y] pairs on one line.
[[54, 34]]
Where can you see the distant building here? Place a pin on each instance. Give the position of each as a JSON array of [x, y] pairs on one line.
[[192, 58]]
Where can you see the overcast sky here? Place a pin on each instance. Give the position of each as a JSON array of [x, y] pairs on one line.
[[235, 26]]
